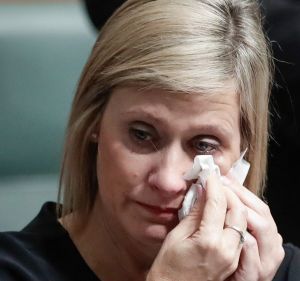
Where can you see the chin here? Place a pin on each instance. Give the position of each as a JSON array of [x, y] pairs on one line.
[[156, 233]]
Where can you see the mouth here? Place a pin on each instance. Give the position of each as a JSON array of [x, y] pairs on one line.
[[160, 212]]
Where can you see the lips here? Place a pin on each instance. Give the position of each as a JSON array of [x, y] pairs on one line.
[[159, 209], [168, 213]]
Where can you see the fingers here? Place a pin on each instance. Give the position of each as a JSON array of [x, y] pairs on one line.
[[201, 236], [190, 224], [259, 215], [223, 207], [262, 228], [249, 262], [214, 211], [207, 217], [236, 219], [257, 224], [215, 208], [246, 196], [269, 241]]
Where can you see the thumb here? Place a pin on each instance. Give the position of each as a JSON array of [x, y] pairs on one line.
[[190, 224]]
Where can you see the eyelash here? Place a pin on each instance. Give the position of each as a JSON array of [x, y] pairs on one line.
[[146, 139], [211, 150], [138, 134]]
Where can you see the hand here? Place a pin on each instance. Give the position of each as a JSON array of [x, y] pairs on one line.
[[262, 251], [199, 248]]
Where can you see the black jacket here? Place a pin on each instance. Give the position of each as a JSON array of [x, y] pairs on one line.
[[43, 251]]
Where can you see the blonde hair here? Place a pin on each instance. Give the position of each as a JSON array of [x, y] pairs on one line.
[[190, 46]]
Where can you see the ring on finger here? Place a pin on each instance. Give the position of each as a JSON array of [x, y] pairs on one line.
[[239, 231]]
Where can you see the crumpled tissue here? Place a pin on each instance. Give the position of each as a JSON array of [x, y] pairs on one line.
[[203, 166]]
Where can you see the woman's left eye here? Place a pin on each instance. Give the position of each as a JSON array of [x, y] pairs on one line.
[[140, 135], [204, 146]]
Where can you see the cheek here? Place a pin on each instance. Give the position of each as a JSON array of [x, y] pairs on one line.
[[225, 161], [224, 164], [229, 155], [119, 168]]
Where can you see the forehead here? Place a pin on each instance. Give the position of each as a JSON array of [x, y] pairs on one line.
[[132, 99], [209, 112]]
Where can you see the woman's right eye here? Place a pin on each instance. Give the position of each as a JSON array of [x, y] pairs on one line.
[[143, 134], [140, 135]]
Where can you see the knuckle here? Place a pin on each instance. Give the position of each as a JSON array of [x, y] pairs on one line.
[[280, 240], [265, 226], [250, 242], [265, 209], [233, 266], [228, 258], [209, 244], [281, 254], [281, 257], [171, 238]]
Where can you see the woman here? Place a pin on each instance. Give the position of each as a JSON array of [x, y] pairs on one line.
[[166, 81]]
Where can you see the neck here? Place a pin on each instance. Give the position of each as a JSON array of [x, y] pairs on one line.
[[110, 255]]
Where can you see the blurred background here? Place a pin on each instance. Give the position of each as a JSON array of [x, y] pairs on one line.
[[43, 47]]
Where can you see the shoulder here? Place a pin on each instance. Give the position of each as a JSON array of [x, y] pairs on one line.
[[289, 269], [43, 250], [24, 254], [14, 253]]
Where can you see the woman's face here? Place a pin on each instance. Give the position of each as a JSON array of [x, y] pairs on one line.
[[147, 141]]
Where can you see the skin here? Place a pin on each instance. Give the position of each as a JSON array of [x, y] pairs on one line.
[[147, 140]]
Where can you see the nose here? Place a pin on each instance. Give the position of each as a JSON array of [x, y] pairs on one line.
[[166, 177]]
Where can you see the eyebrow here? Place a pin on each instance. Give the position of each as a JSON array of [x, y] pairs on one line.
[[217, 129], [144, 113]]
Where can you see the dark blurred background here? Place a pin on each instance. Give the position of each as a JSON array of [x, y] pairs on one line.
[[282, 24]]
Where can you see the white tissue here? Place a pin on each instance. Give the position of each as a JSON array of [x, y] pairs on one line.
[[240, 168], [203, 166]]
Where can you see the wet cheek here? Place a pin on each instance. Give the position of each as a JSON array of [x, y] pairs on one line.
[[224, 163]]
